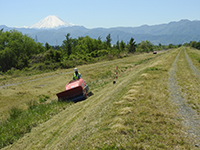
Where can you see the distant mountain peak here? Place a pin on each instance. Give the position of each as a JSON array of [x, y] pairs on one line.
[[51, 22]]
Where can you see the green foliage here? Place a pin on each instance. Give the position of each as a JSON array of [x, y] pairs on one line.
[[67, 45], [117, 45], [171, 46], [145, 46], [195, 44], [132, 46], [98, 53], [108, 40], [47, 46], [122, 45], [16, 49]]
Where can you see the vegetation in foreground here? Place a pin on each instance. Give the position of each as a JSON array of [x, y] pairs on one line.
[[138, 113], [21, 122]]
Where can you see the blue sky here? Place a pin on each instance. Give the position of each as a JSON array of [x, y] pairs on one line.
[[101, 13]]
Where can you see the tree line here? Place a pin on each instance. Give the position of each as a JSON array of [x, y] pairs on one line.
[[18, 51], [193, 44]]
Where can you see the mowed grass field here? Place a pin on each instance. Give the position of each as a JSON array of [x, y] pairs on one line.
[[31, 88], [135, 113]]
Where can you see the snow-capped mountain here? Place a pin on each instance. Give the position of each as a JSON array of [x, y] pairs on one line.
[[51, 22]]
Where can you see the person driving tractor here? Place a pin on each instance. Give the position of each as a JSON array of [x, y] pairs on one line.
[[76, 75]]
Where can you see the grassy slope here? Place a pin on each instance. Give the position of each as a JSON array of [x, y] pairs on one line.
[[134, 113]]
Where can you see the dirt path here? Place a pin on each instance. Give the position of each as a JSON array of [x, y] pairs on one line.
[[189, 117]]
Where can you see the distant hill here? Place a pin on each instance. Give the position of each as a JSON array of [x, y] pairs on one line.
[[171, 33]]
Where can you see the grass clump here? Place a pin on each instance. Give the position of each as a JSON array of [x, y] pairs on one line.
[[43, 98], [15, 112], [21, 122]]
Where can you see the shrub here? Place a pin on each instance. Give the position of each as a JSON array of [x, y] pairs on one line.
[[11, 71]]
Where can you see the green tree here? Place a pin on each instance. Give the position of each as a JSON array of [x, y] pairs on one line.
[[122, 45], [108, 40], [170, 46], [193, 44], [145, 46], [117, 44], [132, 46], [47, 46], [67, 44], [16, 50]]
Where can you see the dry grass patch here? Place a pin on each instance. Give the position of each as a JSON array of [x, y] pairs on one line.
[[132, 91], [125, 111], [118, 120], [130, 98], [120, 128], [146, 76], [137, 84], [120, 102]]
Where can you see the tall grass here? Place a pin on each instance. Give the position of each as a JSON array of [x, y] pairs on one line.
[[21, 122]]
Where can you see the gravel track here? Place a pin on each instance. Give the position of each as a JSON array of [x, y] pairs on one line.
[[189, 117]]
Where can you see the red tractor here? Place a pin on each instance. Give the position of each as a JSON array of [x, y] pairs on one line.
[[75, 91]]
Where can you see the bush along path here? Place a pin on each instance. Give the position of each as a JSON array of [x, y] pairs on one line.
[[189, 117]]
